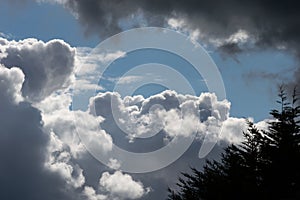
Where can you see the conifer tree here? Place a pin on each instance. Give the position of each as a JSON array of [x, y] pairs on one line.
[[231, 178], [282, 151], [266, 165]]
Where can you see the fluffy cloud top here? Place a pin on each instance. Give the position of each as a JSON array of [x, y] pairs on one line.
[[47, 66], [122, 186], [168, 112], [11, 81], [116, 186], [66, 125], [91, 194]]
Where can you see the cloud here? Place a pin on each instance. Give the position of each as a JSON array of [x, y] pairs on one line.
[[65, 150], [40, 150], [275, 26], [91, 194], [87, 62], [140, 124], [122, 186], [172, 114], [129, 79], [67, 124], [116, 186], [4, 35], [51, 150], [232, 130], [114, 164], [232, 26], [238, 40], [11, 83], [83, 85], [295, 81], [264, 124], [47, 66], [23, 147], [59, 161]]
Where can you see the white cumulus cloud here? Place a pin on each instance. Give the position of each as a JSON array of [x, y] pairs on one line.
[[122, 186]]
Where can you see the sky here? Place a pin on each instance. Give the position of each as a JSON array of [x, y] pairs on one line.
[[113, 99]]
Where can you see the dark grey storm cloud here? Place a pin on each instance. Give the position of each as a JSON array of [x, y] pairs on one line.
[[269, 24]]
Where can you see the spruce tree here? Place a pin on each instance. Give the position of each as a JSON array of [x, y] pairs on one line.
[[266, 165], [237, 173], [282, 151]]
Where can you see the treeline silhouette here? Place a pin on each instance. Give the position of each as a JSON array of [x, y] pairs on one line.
[[266, 165]]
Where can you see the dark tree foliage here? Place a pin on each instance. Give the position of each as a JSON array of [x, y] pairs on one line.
[[266, 165], [282, 174]]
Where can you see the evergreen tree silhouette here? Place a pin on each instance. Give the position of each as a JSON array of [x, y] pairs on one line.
[[281, 175], [235, 175], [266, 165]]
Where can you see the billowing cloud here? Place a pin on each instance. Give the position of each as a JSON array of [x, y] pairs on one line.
[[59, 160], [45, 164], [122, 186], [116, 186], [47, 66], [140, 124], [232, 129], [52, 145], [11, 83], [23, 147], [91, 194], [66, 124], [168, 112], [49, 148]]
